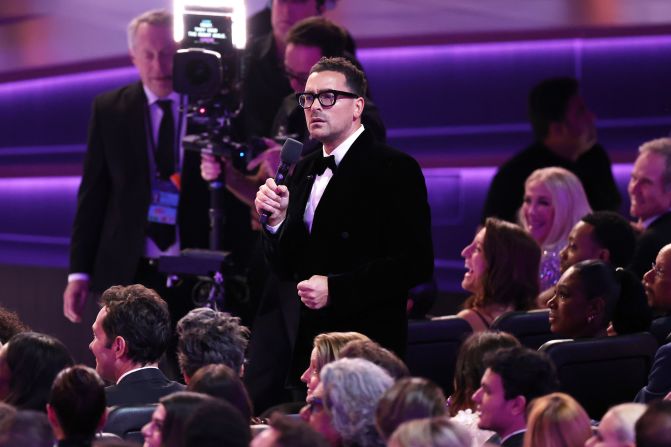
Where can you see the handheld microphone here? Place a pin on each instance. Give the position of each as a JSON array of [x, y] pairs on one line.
[[291, 152]]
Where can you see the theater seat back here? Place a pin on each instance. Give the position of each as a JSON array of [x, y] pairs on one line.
[[531, 328], [127, 421]]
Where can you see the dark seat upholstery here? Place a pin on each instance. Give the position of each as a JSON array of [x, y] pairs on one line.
[[127, 421], [531, 328], [661, 328], [602, 372], [433, 346]]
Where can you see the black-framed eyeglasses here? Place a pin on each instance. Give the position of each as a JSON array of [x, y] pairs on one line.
[[315, 404], [326, 98]]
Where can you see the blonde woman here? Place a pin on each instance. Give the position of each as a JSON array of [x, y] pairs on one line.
[[557, 420], [554, 201]]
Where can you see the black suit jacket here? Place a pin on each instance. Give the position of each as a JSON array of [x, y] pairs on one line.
[[108, 236], [145, 386], [516, 440], [371, 236], [657, 235]]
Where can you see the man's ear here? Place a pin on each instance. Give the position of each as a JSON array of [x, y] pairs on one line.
[[604, 255], [119, 347], [518, 405], [359, 104]]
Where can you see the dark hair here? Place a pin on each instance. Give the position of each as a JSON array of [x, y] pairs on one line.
[[373, 352], [28, 428], [216, 423], [614, 233], [319, 32], [10, 325], [548, 103], [513, 259], [178, 406], [293, 432], [409, 398], [34, 360], [355, 78], [140, 317], [653, 428], [78, 399], [206, 337], [222, 382], [623, 294], [470, 367], [524, 372]]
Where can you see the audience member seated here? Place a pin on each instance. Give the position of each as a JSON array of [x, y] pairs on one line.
[[650, 197], [285, 431], [27, 428], [554, 201], [513, 378], [10, 325], [408, 399], [130, 334], [557, 420], [222, 382], [616, 428], [566, 137], [206, 337], [590, 295], [467, 374], [657, 282], [342, 407], [603, 235], [326, 349], [374, 353], [653, 428], [76, 408], [216, 423], [430, 432], [501, 273], [166, 427], [29, 363]]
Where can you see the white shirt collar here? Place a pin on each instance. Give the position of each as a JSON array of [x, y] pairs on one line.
[[152, 97], [340, 151], [134, 370]]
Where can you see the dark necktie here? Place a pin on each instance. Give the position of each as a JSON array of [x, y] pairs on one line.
[[164, 235], [165, 149], [322, 163]]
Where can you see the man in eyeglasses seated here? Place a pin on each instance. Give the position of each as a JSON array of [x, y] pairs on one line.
[[657, 284], [353, 224]]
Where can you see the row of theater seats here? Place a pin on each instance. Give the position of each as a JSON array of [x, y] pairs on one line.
[[598, 372]]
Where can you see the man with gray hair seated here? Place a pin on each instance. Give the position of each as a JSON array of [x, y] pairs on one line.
[[342, 407], [617, 428], [650, 195], [210, 337]]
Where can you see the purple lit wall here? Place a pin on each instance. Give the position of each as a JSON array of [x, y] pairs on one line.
[[460, 109]]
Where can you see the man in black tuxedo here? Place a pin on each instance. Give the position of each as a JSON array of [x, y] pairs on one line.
[[130, 129], [513, 378], [130, 335], [650, 194], [353, 225]]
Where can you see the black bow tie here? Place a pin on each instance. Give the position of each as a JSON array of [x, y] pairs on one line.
[[322, 163]]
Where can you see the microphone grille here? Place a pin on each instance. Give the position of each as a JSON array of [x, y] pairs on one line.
[[291, 151]]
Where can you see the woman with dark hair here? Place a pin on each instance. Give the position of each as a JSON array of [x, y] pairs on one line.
[[501, 273], [408, 399], [29, 363], [166, 427], [468, 371], [222, 382], [590, 295]]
